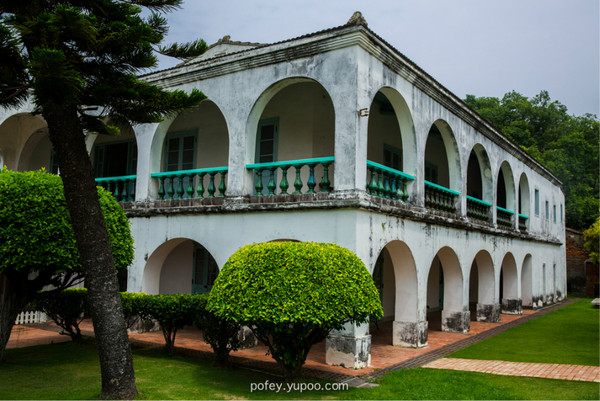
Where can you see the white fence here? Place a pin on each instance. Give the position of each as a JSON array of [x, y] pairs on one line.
[[30, 317]]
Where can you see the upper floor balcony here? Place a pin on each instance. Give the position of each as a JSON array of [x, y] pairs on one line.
[[284, 132]]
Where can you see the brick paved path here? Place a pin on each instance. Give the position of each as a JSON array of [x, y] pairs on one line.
[[385, 357], [544, 370]]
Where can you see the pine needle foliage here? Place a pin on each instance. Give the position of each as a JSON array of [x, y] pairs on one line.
[[87, 53]]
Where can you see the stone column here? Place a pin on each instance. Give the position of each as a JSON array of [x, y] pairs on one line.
[[456, 321], [489, 313], [410, 334], [512, 306], [349, 347]]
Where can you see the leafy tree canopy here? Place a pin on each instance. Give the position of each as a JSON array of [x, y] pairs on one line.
[[566, 144], [592, 239]]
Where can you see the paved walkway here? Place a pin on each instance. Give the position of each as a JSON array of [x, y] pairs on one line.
[[384, 357], [544, 370]]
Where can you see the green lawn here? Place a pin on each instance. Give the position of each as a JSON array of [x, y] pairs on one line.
[[71, 371], [568, 335]]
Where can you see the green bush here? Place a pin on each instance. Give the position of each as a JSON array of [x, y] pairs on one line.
[[172, 311], [67, 308], [133, 304], [220, 334], [35, 226], [37, 243], [293, 294]]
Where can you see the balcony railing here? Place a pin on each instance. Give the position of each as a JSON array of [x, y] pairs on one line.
[[272, 178], [122, 188], [478, 209], [440, 198], [186, 184], [387, 182], [523, 222], [504, 217]]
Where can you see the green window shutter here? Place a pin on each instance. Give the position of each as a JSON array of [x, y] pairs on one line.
[[180, 151], [267, 140]]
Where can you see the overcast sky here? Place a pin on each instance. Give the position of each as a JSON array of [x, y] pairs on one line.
[[480, 47]]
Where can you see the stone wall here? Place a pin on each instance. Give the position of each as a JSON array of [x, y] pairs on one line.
[[576, 257]]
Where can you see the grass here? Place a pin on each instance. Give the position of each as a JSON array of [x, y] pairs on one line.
[[568, 335], [71, 371]]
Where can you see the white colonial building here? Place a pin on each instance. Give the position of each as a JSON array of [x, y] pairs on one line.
[[331, 137]]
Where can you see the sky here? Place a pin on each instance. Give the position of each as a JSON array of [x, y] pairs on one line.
[[478, 47]]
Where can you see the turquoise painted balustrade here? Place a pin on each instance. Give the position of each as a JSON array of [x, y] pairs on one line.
[[523, 222], [122, 188], [186, 184], [504, 217], [478, 209], [387, 182], [440, 198], [272, 178]]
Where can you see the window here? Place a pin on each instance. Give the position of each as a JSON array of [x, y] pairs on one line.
[[537, 202], [266, 146], [180, 151], [205, 270], [554, 212], [392, 157], [266, 140], [561, 213], [114, 159], [180, 154], [547, 210]]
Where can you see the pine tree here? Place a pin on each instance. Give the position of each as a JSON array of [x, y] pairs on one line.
[[77, 61]]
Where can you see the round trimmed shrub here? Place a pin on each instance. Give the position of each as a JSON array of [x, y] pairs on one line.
[[292, 294]]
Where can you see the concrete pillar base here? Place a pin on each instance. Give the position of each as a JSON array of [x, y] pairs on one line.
[[456, 322], [247, 338], [410, 334], [512, 306], [349, 352], [488, 313]]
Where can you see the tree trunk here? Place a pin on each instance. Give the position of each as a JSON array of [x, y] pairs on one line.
[[116, 363], [13, 298]]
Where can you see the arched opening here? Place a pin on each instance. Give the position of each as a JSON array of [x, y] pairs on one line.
[[395, 276], [22, 135], [445, 309], [38, 153], [114, 160], [291, 139], [554, 286], [479, 184], [509, 286], [544, 285], [179, 266], [441, 169], [524, 203], [482, 305], [505, 196], [527, 283], [195, 155], [391, 144]]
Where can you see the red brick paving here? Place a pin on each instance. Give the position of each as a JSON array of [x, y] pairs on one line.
[[28, 335], [543, 370], [383, 354]]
